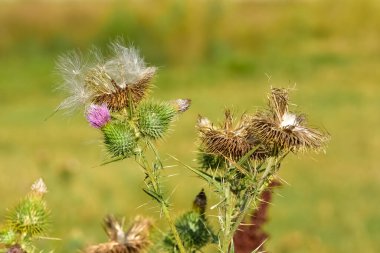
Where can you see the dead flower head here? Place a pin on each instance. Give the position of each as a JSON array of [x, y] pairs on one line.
[[119, 81], [279, 128], [229, 140], [134, 240]]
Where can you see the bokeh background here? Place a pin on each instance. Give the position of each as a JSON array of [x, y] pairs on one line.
[[220, 54]]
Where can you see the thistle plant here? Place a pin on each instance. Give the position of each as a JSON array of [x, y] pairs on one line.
[[114, 93], [26, 222], [240, 159]]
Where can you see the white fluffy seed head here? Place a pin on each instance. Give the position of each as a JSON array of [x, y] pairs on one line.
[[85, 80]]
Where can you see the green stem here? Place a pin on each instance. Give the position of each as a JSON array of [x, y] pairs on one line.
[[164, 206], [166, 212], [229, 208]]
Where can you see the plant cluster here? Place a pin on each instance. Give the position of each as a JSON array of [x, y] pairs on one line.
[[238, 159], [26, 222]]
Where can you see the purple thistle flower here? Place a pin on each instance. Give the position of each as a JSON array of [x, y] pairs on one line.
[[98, 115]]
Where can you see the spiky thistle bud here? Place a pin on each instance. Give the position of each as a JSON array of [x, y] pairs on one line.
[[193, 228], [30, 217], [154, 118], [120, 139]]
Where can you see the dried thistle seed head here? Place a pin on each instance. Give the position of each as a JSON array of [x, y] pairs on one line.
[[280, 129], [135, 240], [119, 81], [120, 139], [229, 141], [154, 118], [108, 247], [279, 100], [113, 229], [137, 236]]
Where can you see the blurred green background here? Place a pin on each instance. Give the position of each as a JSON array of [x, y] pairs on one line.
[[219, 53]]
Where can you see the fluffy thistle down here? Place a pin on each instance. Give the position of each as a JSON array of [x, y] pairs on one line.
[[281, 129], [134, 240], [229, 140], [120, 81]]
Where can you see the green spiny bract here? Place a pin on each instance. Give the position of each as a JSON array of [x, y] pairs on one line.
[[194, 230], [154, 118], [210, 161], [120, 139], [30, 217]]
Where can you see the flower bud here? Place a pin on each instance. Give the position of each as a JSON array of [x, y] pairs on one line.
[[98, 115], [154, 118], [120, 139]]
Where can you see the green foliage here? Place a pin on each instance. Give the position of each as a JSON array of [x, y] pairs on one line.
[[194, 230], [154, 118], [28, 220], [120, 139], [210, 161]]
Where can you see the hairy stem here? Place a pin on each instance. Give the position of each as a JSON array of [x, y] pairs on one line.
[[153, 186]]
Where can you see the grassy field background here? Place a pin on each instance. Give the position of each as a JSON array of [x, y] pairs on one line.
[[219, 53]]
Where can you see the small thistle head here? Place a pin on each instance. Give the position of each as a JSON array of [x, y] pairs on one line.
[[279, 128], [229, 141], [154, 118], [120, 139], [98, 115], [182, 105]]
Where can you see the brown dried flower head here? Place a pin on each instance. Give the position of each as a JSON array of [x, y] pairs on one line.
[[118, 81], [134, 240], [229, 140], [278, 128]]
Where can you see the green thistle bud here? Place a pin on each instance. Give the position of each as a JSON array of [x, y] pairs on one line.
[[120, 139], [30, 217], [193, 228], [154, 118]]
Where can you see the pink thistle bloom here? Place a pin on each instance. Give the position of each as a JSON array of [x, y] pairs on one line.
[[98, 115]]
